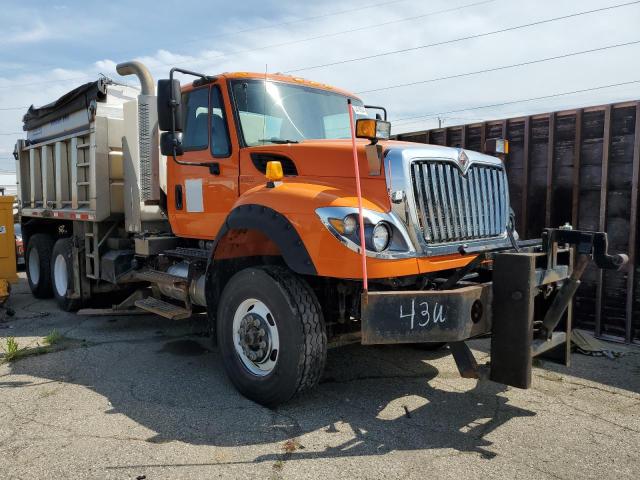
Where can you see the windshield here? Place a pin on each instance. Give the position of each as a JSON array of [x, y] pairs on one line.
[[277, 112]]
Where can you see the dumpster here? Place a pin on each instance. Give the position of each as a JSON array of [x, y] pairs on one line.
[[7, 241]]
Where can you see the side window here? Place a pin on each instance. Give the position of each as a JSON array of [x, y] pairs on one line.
[[220, 146], [196, 125]]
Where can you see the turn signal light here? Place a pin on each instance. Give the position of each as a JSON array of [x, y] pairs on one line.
[[497, 145], [373, 129]]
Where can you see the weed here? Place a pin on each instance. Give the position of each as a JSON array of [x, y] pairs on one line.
[[11, 351], [54, 342], [53, 337]]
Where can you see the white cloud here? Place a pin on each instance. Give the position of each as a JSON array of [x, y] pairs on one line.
[[211, 53], [32, 33], [31, 26]]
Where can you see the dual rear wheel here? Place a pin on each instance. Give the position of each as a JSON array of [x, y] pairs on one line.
[[50, 269]]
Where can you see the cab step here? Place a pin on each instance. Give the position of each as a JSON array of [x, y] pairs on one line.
[[157, 276], [164, 309]]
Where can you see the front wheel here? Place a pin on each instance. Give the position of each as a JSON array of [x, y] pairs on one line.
[[271, 334]]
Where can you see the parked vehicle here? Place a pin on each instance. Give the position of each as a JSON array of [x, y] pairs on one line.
[[248, 204], [17, 229]]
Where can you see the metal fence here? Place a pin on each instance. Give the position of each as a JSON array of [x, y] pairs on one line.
[[582, 167]]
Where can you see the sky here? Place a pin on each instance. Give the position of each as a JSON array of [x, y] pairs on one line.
[[48, 48]]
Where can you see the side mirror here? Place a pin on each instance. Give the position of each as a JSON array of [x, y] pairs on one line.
[[169, 141], [168, 89]]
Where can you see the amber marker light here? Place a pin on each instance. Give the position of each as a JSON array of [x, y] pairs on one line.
[[273, 173], [498, 146], [373, 129]]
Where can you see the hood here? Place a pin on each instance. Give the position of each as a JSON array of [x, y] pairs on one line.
[[334, 158], [320, 158]]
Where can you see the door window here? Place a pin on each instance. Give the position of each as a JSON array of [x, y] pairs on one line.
[[196, 124], [219, 134]]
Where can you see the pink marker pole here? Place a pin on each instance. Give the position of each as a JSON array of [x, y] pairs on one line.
[[356, 166]]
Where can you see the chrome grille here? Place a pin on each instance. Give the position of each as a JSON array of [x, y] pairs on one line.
[[455, 207]]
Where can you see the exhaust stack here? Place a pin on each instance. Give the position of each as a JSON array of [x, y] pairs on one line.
[[142, 72], [141, 153]]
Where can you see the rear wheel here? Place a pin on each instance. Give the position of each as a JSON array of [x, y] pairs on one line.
[[271, 334], [38, 267], [62, 275]]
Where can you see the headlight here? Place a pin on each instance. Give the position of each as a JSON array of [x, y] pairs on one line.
[[385, 234], [349, 224], [380, 237]]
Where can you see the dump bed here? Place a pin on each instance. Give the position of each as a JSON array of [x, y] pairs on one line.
[[71, 163]]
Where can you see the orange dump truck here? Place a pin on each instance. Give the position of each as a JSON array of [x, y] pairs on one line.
[[238, 194]]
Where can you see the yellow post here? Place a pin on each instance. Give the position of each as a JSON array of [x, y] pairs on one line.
[[7, 241]]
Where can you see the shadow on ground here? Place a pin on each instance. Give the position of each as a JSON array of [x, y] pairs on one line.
[[613, 372], [373, 399]]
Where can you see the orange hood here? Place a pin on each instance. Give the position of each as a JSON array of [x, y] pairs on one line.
[[326, 158]]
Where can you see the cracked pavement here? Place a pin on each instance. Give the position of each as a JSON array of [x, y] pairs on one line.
[[144, 396]]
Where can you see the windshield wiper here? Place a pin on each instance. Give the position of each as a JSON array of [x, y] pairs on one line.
[[278, 140]]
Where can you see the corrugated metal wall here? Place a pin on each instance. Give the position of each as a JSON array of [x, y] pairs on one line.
[[578, 166]]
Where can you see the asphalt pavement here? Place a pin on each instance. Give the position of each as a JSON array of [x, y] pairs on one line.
[[144, 397]]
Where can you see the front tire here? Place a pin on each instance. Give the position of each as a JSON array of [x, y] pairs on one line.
[[271, 334], [62, 275], [38, 265]]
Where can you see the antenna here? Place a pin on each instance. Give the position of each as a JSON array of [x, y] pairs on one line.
[[264, 105]]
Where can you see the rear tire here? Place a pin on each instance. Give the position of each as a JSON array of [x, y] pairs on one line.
[[271, 334], [38, 265], [62, 275]]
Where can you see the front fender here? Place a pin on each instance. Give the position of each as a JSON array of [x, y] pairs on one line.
[[277, 228], [305, 243], [286, 215]]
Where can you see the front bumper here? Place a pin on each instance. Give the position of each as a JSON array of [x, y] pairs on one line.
[[426, 316]]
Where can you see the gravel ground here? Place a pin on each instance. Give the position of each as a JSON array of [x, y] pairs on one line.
[[127, 397]]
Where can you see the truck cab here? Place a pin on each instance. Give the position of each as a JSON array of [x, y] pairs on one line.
[[234, 124]]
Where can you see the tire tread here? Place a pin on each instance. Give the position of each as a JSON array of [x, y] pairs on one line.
[[44, 244], [313, 356], [64, 246]]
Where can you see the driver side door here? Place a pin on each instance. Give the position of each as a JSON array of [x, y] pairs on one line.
[[199, 198]]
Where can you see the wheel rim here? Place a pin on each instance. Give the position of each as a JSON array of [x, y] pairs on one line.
[[60, 275], [255, 337], [34, 266]]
